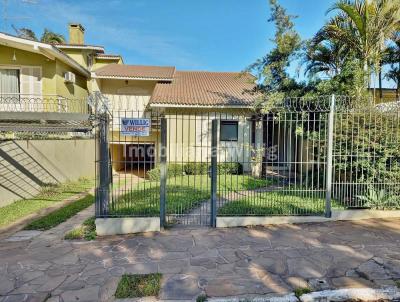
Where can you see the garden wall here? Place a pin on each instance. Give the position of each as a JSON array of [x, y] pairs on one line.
[[26, 165]]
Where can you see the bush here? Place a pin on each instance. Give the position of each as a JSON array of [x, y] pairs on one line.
[[193, 168], [196, 168], [230, 168]]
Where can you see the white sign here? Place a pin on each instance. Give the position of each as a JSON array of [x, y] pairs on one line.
[[135, 126]]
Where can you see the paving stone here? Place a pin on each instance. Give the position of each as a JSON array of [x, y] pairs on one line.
[[173, 266], [6, 286], [208, 263], [116, 271], [305, 268], [108, 289], [371, 270], [297, 282], [180, 287], [142, 268], [52, 283], [90, 293], [351, 282]]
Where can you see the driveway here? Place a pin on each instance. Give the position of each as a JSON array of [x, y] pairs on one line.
[[219, 262]]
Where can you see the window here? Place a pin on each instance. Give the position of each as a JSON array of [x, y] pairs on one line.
[[228, 131], [9, 81]]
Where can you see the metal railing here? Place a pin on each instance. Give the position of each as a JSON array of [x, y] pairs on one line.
[[10, 102], [301, 157]]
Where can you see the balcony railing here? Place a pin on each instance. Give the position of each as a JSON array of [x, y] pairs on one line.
[[10, 102]]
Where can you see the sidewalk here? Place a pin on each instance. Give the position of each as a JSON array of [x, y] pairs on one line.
[[241, 262]]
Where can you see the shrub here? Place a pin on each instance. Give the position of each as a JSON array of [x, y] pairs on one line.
[[230, 168], [196, 168]]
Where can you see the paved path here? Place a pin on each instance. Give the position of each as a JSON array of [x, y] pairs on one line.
[[219, 262]]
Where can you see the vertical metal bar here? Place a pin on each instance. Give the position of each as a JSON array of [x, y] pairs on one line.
[[329, 157], [104, 169], [214, 150], [163, 171]]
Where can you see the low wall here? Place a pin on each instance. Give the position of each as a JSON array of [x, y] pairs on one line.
[[128, 225], [236, 221], [26, 165]]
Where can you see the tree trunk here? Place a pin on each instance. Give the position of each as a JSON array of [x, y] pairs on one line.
[[380, 84]]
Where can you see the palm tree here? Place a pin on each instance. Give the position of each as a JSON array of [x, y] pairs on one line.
[[325, 57], [393, 58], [364, 26], [51, 37]]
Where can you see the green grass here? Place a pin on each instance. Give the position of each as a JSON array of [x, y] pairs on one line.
[[276, 203], [201, 298], [48, 196], [55, 218], [397, 282], [136, 286], [86, 231], [183, 193], [298, 292]]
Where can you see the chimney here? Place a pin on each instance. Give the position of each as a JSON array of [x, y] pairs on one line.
[[76, 34]]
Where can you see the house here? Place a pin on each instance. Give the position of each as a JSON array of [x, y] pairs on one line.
[[188, 99]]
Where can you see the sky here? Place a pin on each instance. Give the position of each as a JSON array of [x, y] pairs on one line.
[[214, 35]]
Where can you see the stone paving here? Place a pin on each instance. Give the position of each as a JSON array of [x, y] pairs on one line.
[[244, 262]]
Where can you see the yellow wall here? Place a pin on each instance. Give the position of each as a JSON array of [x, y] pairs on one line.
[[77, 90], [98, 63], [78, 55], [25, 58], [52, 72]]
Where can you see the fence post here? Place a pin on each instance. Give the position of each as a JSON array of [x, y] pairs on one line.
[[163, 171], [329, 159], [104, 169], [214, 146]]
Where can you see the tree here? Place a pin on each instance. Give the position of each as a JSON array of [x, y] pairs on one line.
[[272, 68], [364, 27], [326, 57], [51, 37], [26, 33], [393, 58], [48, 36]]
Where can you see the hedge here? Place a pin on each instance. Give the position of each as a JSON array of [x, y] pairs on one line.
[[193, 168]]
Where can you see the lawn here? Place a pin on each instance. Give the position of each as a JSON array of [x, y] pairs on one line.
[[48, 196], [183, 193], [62, 214], [136, 286], [290, 202]]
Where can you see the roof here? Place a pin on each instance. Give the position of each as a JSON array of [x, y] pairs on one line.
[[80, 46], [120, 71], [200, 88], [48, 50], [107, 56]]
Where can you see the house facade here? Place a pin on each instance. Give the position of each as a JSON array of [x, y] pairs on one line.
[[189, 100]]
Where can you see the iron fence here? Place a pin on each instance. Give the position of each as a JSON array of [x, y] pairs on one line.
[[301, 157]]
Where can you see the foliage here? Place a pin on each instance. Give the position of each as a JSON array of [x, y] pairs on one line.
[[55, 218], [298, 292], [47, 197], [136, 286], [86, 231], [380, 199], [272, 68], [194, 168], [47, 36], [202, 298]]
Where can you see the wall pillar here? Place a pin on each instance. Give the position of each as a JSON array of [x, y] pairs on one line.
[[258, 150]]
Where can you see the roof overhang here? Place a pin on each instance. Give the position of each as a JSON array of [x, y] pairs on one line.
[[80, 47], [47, 50], [94, 76], [159, 105]]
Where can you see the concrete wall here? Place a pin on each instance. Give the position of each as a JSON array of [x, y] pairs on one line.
[[27, 165]]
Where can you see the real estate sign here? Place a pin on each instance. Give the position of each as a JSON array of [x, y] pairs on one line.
[[135, 126]]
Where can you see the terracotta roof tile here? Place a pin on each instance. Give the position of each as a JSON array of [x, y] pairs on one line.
[[206, 89], [136, 71]]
